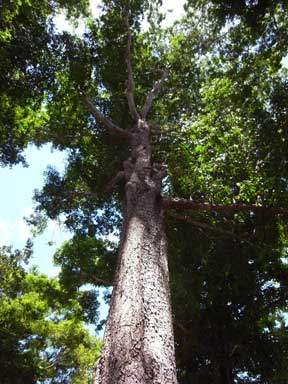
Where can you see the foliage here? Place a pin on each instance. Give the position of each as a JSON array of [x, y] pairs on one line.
[[86, 260], [228, 292], [42, 333], [227, 279], [27, 67]]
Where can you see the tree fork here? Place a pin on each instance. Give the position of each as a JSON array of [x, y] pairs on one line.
[[112, 128]]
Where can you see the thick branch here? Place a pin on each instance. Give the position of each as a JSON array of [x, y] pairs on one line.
[[113, 129], [130, 81], [118, 177], [99, 281], [183, 204], [151, 95]]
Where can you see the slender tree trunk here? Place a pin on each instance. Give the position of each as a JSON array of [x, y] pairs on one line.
[[138, 343], [226, 375]]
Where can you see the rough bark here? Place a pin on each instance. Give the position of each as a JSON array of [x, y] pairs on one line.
[[138, 342]]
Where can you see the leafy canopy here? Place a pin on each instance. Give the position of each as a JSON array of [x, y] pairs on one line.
[[43, 339]]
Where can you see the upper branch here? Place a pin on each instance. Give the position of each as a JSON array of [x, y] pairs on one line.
[[151, 95], [189, 204], [130, 81], [113, 128]]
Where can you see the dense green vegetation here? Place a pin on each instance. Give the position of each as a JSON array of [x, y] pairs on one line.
[[220, 127], [43, 339]]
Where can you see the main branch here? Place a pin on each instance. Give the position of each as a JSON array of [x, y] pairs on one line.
[[113, 128], [182, 204], [151, 95], [130, 81]]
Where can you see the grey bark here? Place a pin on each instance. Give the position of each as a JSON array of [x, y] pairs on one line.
[[138, 342]]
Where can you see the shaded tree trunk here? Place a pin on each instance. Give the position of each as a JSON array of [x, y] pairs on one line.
[[138, 343], [225, 369], [226, 375]]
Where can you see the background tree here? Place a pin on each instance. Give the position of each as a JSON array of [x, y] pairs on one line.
[[43, 339]]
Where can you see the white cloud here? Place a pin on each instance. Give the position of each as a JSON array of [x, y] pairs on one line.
[[62, 24], [114, 238], [284, 62], [16, 231], [95, 7], [4, 232], [22, 230], [28, 211], [174, 10]]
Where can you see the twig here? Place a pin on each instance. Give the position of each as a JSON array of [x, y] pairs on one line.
[[97, 280]]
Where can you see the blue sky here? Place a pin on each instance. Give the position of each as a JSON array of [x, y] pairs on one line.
[[16, 194]]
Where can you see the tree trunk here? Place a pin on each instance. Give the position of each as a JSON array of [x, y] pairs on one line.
[[226, 375], [138, 342]]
